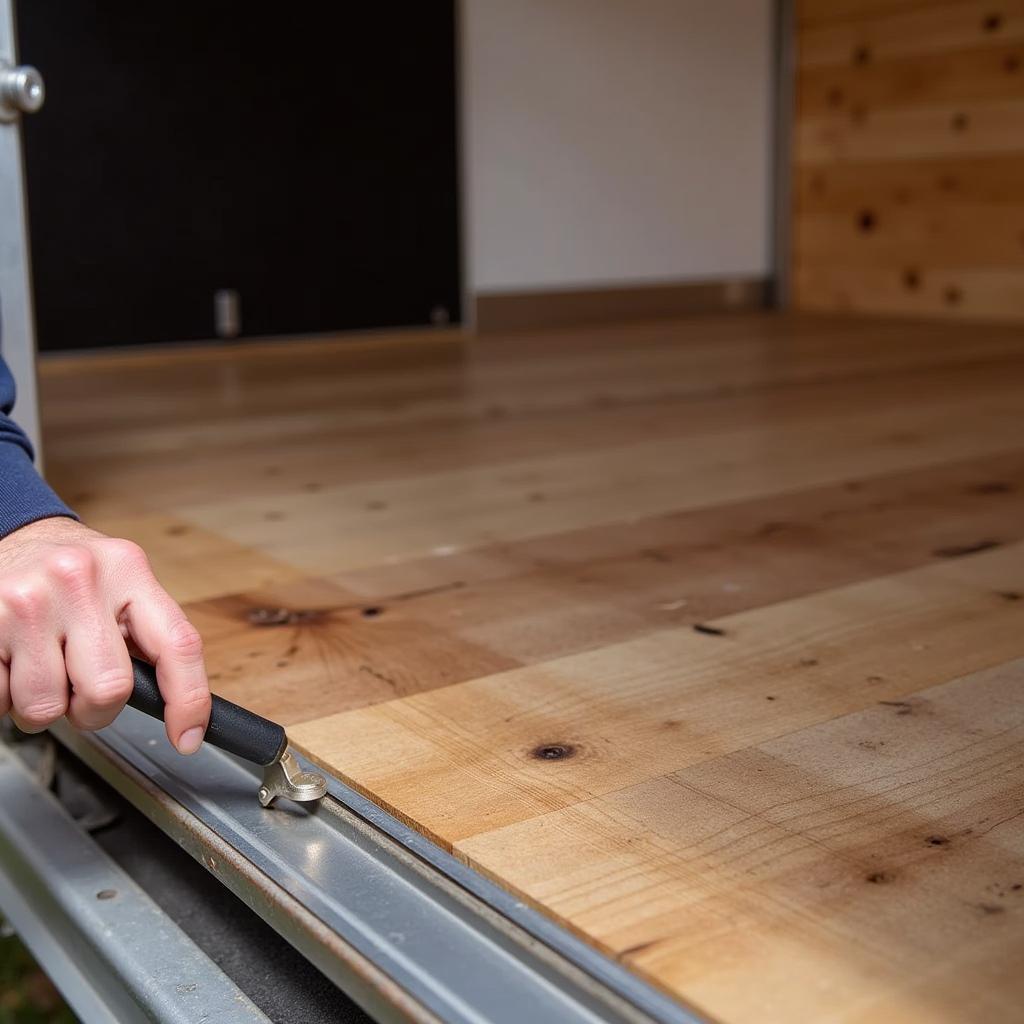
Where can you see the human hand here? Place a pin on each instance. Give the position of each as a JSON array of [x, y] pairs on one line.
[[70, 601]]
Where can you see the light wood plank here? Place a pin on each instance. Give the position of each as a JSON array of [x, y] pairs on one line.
[[867, 868], [962, 130], [463, 760], [885, 33], [849, 91], [969, 294], [845, 499]]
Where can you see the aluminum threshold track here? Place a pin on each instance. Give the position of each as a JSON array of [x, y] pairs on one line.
[[113, 953], [404, 928]]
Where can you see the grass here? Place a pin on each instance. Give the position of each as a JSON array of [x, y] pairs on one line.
[[27, 996]]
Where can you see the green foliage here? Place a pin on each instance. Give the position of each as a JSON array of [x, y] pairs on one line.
[[26, 994]]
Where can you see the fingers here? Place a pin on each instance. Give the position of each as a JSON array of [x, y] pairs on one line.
[[5, 688], [39, 684], [100, 672], [175, 648], [70, 601], [95, 657]]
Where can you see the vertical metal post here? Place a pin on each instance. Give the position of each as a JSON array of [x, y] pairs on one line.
[[782, 192], [19, 340]]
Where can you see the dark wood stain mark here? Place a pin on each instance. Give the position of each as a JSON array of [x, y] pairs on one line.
[[176, 530], [808, 662], [1009, 595], [772, 527], [535, 496], [937, 841], [960, 550], [880, 877], [834, 97], [990, 909], [901, 706], [770, 697], [867, 220], [553, 752], [370, 670], [861, 55], [638, 948], [1011, 64], [701, 627], [960, 122], [274, 516], [911, 279], [312, 487], [656, 555], [992, 22], [991, 487], [372, 611], [376, 506]]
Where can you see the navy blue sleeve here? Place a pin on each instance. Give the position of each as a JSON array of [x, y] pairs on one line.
[[24, 496]]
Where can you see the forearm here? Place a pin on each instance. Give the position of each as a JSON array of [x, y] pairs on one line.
[[24, 496]]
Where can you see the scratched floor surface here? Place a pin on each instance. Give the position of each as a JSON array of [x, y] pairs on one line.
[[706, 637]]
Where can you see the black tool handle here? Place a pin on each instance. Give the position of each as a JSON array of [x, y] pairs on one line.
[[231, 728]]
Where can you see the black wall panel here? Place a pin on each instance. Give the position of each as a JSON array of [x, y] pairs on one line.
[[302, 154]]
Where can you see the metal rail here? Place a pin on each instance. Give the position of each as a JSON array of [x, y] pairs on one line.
[[112, 952], [404, 928]]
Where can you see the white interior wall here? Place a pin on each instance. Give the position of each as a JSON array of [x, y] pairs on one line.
[[611, 141]]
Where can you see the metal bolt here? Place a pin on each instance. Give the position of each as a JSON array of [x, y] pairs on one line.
[[21, 90]]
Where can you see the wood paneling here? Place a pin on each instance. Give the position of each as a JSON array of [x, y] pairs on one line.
[[706, 638], [909, 158]]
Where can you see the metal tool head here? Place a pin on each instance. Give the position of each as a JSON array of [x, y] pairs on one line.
[[284, 777]]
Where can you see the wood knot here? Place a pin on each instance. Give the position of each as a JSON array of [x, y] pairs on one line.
[[553, 751]]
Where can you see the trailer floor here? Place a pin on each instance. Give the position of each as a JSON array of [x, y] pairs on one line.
[[705, 637]]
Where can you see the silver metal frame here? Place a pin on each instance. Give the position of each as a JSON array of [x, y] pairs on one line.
[[19, 344], [112, 952], [401, 926]]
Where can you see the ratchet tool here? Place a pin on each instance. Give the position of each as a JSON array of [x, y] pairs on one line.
[[244, 734]]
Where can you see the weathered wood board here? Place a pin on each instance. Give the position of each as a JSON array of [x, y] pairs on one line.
[[706, 637]]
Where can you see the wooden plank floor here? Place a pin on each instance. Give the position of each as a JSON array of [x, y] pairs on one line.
[[705, 637]]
